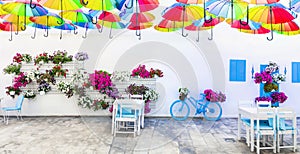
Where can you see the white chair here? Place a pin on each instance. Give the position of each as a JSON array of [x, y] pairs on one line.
[[126, 110], [17, 107], [246, 120], [263, 128], [286, 125]]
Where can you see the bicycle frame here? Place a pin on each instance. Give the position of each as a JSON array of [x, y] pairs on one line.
[[201, 102]]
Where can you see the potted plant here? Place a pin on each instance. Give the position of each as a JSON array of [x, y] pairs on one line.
[[66, 88], [60, 57], [13, 91], [41, 59], [278, 97], [214, 96], [81, 56], [13, 68], [183, 92], [29, 94]]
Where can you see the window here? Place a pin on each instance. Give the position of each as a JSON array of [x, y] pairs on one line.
[[237, 70], [295, 72]]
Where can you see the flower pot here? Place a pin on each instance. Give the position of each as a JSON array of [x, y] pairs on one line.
[[182, 97], [42, 93]]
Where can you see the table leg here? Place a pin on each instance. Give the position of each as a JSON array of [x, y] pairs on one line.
[[239, 127], [113, 122], [252, 134]]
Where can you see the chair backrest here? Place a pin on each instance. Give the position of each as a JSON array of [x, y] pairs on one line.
[[127, 106], [266, 113], [19, 102], [284, 115], [136, 96], [263, 104]]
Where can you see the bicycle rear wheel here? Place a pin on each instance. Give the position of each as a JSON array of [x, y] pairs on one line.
[[213, 111], [179, 110]]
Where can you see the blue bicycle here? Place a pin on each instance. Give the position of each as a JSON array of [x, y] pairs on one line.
[[180, 110]]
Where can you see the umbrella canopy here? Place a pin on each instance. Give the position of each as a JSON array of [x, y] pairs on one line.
[[234, 9], [163, 29], [295, 5], [138, 27], [243, 25], [288, 26], [171, 24], [202, 25], [102, 5], [48, 20], [65, 26], [76, 16], [24, 9], [61, 5], [260, 30], [261, 1], [15, 19], [2, 12], [142, 17], [191, 1], [141, 5], [183, 12], [288, 33], [270, 15]]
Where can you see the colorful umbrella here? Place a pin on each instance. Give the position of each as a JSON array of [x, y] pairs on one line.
[[62, 5], [8, 26], [288, 26], [183, 12], [261, 1], [107, 16], [270, 15], [86, 25], [288, 33], [202, 25], [66, 26], [295, 5], [2, 12], [142, 5], [260, 30], [15, 19], [138, 27], [24, 9], [243, 25], [234, 9], [113, 25], [76, 16], [40, 27], [48, 20], [102, 5], [163, 29], [191, 1]]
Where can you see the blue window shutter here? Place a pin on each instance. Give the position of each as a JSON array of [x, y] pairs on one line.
[[237, 70], [295, 72]]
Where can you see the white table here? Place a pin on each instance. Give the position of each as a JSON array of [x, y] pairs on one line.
[[141, 103], [251, 113]]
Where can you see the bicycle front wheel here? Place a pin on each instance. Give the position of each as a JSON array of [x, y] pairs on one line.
[[179, 110], [213, 111]]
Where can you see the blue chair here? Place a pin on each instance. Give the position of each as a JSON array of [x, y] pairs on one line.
[[17, 107]]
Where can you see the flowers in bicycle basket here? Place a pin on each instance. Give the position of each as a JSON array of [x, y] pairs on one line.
[[214, 96], [183, 92]]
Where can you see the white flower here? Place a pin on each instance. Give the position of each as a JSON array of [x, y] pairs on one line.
[[12, 93], [42, 93]]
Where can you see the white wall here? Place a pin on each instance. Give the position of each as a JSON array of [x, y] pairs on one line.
[[184, 62]]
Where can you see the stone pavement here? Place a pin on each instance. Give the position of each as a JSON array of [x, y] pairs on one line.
[[93, 135]]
